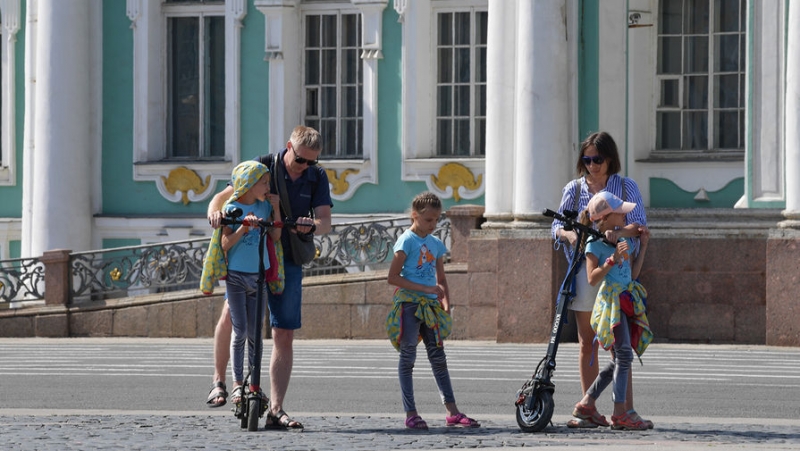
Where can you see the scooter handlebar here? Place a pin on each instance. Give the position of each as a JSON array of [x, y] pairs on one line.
[[258, 223], [569, 219]]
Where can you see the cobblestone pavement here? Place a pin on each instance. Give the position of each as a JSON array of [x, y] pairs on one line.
[[186, 431], [149, 394]]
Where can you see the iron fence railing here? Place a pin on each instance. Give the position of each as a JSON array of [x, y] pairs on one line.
[[21, 279], [137, 270], [172, 266]]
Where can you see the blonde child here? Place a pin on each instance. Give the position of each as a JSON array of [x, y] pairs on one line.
[[422, 309], [619, 316], [250, 181]]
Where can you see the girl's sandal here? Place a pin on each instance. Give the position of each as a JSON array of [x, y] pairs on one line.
[[237, 395], [637, 417], [462, 420], [417, 423]]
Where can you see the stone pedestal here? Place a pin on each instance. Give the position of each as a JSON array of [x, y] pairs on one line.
[[516, 269], [783, 278], [56, 277], [463, 219]]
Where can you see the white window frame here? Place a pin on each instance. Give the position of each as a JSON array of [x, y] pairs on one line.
[[284, 50], [338, 13], [691, 173], [420, 162], [473, 103], [10, 16], [149, 25], [711, 150], [200, 12]]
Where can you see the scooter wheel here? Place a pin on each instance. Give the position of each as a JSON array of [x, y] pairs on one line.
[[245, 414], [538, 417], [253, 407]]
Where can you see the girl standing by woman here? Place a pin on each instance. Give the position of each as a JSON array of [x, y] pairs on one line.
[[597, 167], [618, 318], [422, 309]]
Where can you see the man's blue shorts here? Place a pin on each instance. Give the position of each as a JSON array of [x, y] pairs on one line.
[[284, 308]]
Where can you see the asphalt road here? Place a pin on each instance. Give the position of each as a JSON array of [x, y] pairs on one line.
[[727, 395]]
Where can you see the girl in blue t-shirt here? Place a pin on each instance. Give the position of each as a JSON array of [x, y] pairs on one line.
[[422, 309], [250, 180]]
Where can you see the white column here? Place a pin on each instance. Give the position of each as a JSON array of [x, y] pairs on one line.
[[542, 120], [61, 201], [282, 51], [792, 143], [613, 30], [500, 61]]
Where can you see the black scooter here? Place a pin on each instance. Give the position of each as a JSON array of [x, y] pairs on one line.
[[534, 403]]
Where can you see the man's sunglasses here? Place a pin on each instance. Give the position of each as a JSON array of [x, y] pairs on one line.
[[300, 160], [598, 160]]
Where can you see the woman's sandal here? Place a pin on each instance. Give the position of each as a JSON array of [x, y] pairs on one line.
[[218, 396], [282, 420], [590, 414], [417, 423]]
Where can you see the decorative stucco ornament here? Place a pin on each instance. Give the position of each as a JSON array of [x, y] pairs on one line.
[[183, 180], [339, 184], [456, 176]]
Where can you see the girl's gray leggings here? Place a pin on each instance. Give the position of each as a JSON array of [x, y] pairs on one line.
[[413, 327], [619, 367]]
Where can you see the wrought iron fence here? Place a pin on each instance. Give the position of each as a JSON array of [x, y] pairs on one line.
[[137, 270], [363, 246], [173, 266], [20, 280]]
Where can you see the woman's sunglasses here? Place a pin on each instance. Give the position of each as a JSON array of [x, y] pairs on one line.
[[598, 160], [300, 160]]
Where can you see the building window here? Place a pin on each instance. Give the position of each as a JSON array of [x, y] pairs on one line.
[[701, 76], [461, 83], [333, 82], [186, 81], [444, 92], [196, 91], [336, 47]]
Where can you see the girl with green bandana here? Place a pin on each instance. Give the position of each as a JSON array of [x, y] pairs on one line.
[[239, 243]]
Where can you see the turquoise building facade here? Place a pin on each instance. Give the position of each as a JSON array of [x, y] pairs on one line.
[[121, 118]]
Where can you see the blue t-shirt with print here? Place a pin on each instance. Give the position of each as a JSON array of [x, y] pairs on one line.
[[621, 272], [421, 256], [243, 256]]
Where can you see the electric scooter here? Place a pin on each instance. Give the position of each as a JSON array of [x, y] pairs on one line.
[[254, 408], [534, 403]]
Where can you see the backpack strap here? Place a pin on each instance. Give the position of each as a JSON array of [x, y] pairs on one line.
[[277, 178], [577, 194], [624, 190]]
